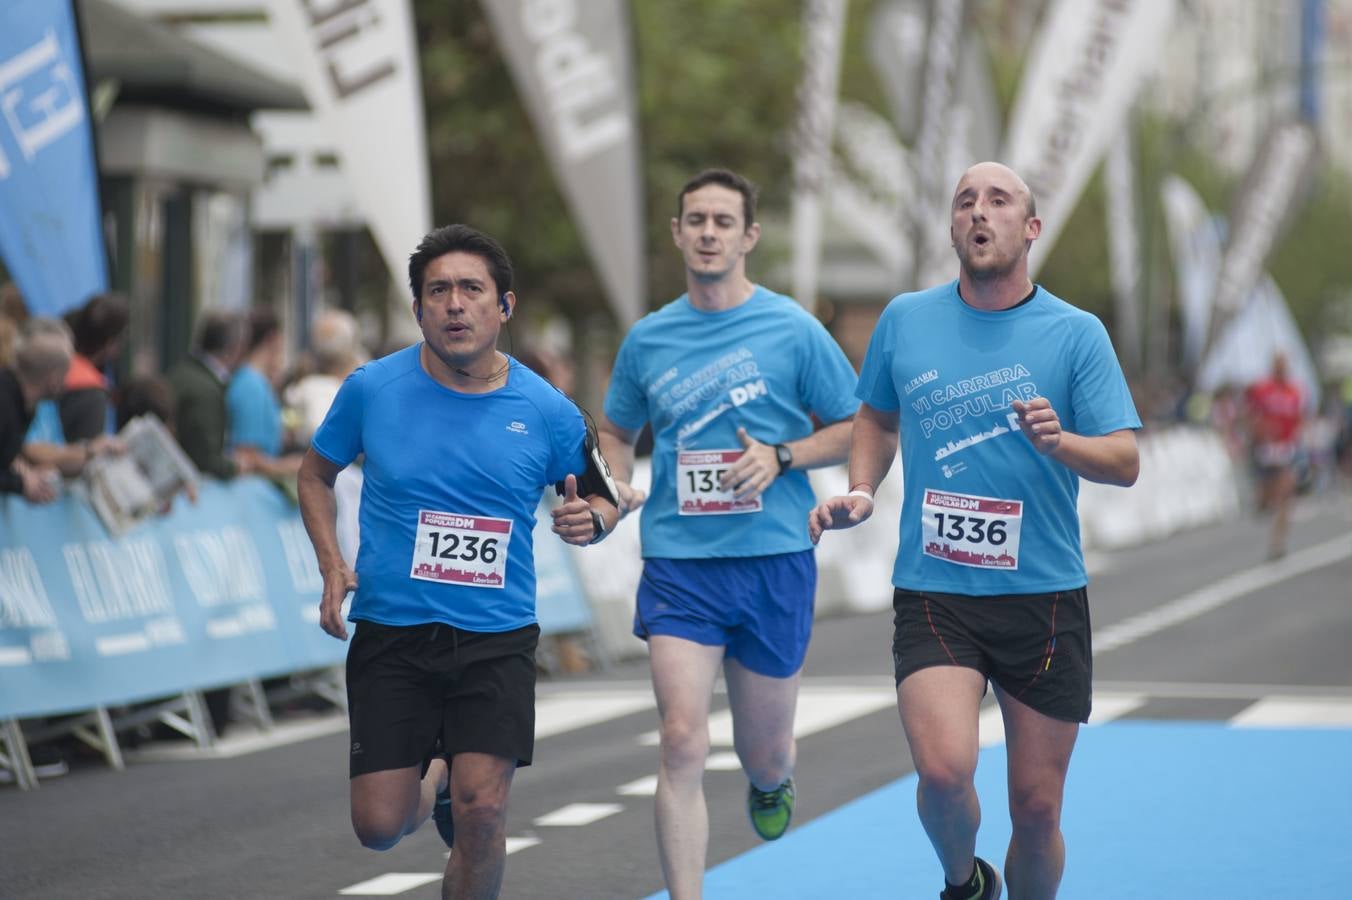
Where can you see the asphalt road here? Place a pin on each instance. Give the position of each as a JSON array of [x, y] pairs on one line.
[[1197, 627]]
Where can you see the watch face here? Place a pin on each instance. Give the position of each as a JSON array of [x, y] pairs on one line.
[[785, 457]]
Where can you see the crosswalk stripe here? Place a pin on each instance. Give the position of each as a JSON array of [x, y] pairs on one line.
[[818, 710], [1296, 712], [389, 884], [520, 843], [639, 787], [578, 814], [1107, 706], [726, 761], [557, 713]]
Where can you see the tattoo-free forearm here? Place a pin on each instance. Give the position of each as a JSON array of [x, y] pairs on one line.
[[827, 446], [873, 446], [1108, 459]]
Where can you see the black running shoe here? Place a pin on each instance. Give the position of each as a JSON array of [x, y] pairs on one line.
[[989, 878]]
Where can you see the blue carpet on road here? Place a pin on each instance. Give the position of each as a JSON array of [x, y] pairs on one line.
[[1153, 810]]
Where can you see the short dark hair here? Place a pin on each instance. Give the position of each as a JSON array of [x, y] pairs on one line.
[[463, 239], [263, 324], [149, 394], [220, 331], [98, 323], [728, 179]]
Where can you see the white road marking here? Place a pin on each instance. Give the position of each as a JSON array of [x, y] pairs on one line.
[[724, 761], [520, 843], [578, 814], [639, 787], [818, 710], [990, 727], [1296, 712], [1107, 706], [1216, 595], [557, 713], [390, 884], [243, 739], [1222, 691]]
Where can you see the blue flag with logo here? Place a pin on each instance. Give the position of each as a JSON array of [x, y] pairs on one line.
[[50, 237]]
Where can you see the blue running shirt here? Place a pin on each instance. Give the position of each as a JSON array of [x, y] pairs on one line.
[[452, 482], [983, 512], [766, 365], [254, 414]]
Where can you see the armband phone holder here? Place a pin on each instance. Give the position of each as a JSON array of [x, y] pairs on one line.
[[595, 479]]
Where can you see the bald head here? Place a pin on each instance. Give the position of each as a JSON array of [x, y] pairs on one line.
[[1000, 176]]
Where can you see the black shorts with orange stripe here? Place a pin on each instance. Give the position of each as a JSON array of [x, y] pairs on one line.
[[1035, 647]]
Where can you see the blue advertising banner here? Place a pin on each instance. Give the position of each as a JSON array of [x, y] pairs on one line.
[[50, 236], [212, 594]]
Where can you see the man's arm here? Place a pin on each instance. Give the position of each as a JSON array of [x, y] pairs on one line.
[[1110, 458], [873, 445], [617, 446], [573, 520], [758, 468], [319, 511]]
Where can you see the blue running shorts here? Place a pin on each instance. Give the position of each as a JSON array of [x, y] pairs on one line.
[[758, 607]]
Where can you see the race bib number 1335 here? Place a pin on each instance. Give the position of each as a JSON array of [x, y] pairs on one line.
[[459, 549], [971, 531]]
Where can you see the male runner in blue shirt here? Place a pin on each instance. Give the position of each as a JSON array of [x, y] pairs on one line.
[[459, 442], [1004, 397], [729, 376]]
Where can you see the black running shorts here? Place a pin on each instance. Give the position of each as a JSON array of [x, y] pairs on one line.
[[1036, 647], [411, 688]]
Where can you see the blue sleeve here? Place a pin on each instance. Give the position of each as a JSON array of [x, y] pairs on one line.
[[567, 432], [626, 405], [1100, 399], [826, 380], [46, 427], [338, 438], [876, 387], [247, 412]]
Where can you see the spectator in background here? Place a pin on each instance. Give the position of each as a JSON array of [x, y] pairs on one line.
[[199, 383], [1275, 415], [98, 328], [337, 351], [45, 446], [9, 341], [252, 409], [150, 394], [40, 365]]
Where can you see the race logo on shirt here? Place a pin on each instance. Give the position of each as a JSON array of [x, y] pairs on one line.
[[963, 413], [730, 381]]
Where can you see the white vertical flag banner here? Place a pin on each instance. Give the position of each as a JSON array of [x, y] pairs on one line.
[[572, 63], [1195, 242], [930, 213], [358, 63], [1124, 250], [823, 35], [1087, 66], [1261, 329], [1265, 199]]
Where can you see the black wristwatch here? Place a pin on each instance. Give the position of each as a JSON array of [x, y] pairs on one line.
[[785, 457], [598, 526]]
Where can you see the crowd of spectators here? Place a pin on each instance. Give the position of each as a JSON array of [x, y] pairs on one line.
[[61, 404]]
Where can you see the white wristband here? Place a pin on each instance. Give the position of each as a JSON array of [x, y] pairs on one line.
[[861, 494]]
